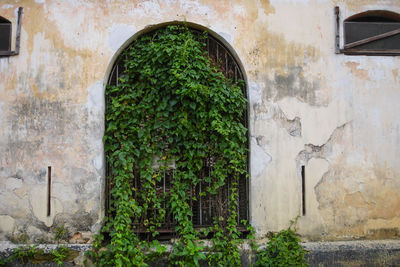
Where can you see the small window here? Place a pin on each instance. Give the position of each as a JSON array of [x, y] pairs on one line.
[[374, 32], [5, 35]]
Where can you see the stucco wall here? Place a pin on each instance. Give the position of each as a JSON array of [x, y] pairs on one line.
[[337, 115]]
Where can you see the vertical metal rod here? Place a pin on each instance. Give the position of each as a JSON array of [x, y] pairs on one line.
[[109, 178], [126, 58], [18, 38], [247, 197], [48, 190], [164, 183], [173, 175], [106, 194], [164, 190], [208, 46], [117, 74], [303, 189], [201, 215], [236, 79], [226, 63], [337, 28], [217, 53], [191, 201], [238, 200], [209, 184]]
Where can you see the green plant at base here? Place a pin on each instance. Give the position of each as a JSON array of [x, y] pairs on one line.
[[174, 105], [25, 254], [33, 254], [60, 254], [60, 233], [283, 249], [3, 261]]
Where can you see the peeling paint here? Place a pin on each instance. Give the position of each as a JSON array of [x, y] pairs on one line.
[[260, 159], [358, 72], [336, 115], [7, 6]]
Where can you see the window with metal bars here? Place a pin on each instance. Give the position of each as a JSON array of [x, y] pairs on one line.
[[204, 206], [375, 32]]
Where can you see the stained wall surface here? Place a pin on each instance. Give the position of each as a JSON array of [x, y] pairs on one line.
[[336, 115]]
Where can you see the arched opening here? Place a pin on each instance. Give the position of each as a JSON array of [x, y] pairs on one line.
[[374, 32], [375, 16], [205, 206]]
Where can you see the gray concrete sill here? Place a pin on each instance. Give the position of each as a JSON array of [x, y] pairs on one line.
[[337, 253]]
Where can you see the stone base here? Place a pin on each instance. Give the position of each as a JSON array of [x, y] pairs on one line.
[[321, 254], [354, 253]]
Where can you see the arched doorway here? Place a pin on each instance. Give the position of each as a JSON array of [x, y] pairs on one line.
[[204, 206]]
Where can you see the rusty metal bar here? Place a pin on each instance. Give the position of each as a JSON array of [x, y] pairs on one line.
[[164, 190], [371, 39], [48, 190], [18, 37], [217, 56], [209, 184], [303, 190], [337, 30], [200, 208], [208, 46], [371, 52], [226, 63], [117, 75]]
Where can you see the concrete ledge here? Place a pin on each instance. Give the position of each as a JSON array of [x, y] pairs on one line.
[[340, 253], [354, 253], [7, 248]]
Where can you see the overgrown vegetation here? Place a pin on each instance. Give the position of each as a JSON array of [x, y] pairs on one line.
[[174, 105], [60, 233], [283, 249], [33, 254], [60, 254], [25, 254]]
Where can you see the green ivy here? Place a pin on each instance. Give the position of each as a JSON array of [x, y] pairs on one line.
[[35, 255], [60, 254], [283, 249], [24, 254], [172, 103]]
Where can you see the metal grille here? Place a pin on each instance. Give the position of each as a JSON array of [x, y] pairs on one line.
[[205, 208], [373, 32]]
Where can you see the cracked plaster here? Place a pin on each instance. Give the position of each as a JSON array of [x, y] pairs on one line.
[[336, 115]]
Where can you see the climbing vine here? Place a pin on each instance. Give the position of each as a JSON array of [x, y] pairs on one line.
[[171, 104]]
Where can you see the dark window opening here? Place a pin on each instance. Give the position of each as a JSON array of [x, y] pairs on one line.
[[5, 35], [374, 32], [206, 207]]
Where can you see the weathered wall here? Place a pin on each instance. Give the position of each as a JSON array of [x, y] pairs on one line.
[[335, 114]]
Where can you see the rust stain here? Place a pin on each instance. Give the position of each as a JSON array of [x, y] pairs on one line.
[[38, 94], [272, 51], [383, 229], [395, 74], [358, 72], [349, 197], [36, 21], [266, 6], [355, 200]]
